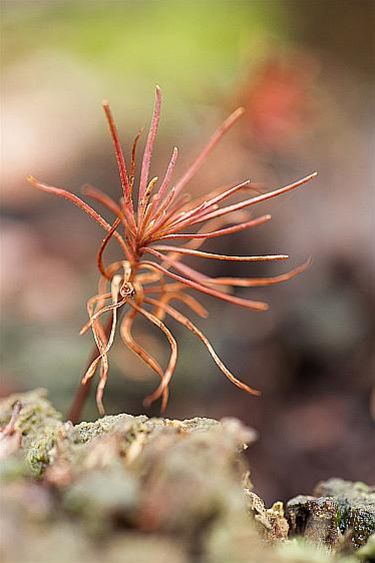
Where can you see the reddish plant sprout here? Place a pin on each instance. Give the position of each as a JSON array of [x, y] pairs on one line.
[[156, 227]]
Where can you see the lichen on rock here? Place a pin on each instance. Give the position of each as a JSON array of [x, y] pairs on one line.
[[37, 424], [132, 488], [271, 521], [340, 514]]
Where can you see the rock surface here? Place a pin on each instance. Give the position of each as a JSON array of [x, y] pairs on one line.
[[128, 489], [340, 514]]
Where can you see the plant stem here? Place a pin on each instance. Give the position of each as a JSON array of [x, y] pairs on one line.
[[83, 390]]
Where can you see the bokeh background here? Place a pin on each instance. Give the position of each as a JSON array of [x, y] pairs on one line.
[[303, 71]]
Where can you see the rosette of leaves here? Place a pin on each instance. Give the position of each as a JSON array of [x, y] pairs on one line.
[[157, 224]]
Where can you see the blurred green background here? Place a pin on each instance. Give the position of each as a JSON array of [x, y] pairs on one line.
[[303, 71]]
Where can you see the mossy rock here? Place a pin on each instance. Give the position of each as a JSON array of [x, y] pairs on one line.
[[340, 513], [130, 488], [37, 425]]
